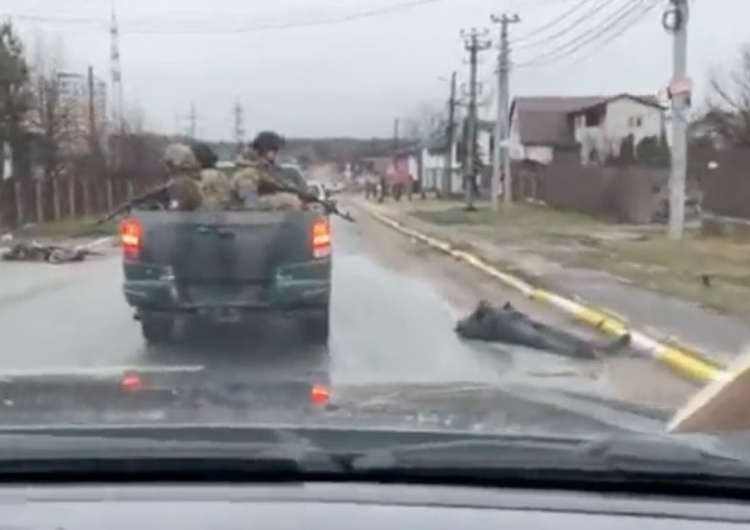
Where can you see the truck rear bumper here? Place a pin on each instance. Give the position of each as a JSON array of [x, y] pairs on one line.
[[299, 288], [156, 296]]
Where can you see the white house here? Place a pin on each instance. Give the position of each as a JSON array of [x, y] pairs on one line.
[[433, 167], [598, 124], [434, 152], [600, 128]]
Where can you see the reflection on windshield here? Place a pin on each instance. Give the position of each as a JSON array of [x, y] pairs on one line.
[[520, 265]]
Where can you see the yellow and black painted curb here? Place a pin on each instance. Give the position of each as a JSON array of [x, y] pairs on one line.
[[684, 361]]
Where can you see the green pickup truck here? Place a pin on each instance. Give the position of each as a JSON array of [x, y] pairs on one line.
[[226, 267]]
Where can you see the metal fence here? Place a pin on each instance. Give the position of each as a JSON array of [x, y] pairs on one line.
[[36, 201]]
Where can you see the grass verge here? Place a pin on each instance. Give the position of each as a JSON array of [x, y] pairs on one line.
[[710, 271], [67, 229]]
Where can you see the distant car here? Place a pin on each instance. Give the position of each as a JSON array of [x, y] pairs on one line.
[[321, 192]]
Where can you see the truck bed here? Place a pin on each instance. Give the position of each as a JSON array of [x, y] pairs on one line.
[[234, 259]]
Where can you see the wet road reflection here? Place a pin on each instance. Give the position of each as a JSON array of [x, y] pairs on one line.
[[387, 327]]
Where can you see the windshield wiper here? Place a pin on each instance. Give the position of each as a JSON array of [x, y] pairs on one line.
[[621, 457], [56, 457]]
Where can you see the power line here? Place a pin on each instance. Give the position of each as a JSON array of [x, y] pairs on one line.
[[575, 23], [248, 29], [570, 47], [553, 22], [528, 4], [615, 35]]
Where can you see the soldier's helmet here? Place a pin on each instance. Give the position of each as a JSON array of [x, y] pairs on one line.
[[204, 155], [180, 156], [267, 141]]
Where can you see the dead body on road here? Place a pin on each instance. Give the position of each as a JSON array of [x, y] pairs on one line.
[[49, 253], [508, 325]]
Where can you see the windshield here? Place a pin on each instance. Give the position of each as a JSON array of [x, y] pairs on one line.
[[537, 228]]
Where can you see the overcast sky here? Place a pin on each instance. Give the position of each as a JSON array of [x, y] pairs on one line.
[[353, 77]]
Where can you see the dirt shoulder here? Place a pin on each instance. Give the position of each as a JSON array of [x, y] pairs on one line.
[[711, 271], [629, 376], [695, 292]]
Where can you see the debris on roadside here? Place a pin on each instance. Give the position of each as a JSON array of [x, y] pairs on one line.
[[48, 253], [508, 325]]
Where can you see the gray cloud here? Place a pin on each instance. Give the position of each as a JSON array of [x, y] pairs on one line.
[[350, 78]]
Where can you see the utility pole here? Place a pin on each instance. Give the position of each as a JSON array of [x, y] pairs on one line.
[[501, 147], [192, 122], [474, 41], [450, 139], [239, 127], [93, 133], [395, 135], [676, 22]]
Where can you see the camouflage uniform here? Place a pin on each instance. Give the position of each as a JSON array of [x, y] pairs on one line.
[[253, 177], [216, 188], [184, 172]]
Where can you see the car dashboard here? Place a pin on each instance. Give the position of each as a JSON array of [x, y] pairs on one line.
[[333, 506]]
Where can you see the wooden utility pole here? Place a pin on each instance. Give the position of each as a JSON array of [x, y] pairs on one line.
[[475, 42], [450, 134]]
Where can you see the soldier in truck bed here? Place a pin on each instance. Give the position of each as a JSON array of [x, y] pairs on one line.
[[184, 174], [259, 172], [216, 187]]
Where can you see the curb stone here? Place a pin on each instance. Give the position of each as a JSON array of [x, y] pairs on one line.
[[689, 364]]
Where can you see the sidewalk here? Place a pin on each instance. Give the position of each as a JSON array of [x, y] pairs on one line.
[[719, 336]]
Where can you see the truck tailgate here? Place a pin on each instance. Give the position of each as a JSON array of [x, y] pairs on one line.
[[226, 247]]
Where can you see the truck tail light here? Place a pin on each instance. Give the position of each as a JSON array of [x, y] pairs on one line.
[[131, 238], [321, 238]]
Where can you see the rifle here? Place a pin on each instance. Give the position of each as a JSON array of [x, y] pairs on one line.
[[274, 185], [156, 195]]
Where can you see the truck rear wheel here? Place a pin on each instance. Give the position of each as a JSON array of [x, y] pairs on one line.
[[157, 329], [317, 327]]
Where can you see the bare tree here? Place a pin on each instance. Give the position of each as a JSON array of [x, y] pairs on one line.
[[728, 108], [135, 121], [56, 115], [142, 151], [425, 121], [15, 98]]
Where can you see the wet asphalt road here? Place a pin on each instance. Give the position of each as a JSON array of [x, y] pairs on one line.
[[387, 327]]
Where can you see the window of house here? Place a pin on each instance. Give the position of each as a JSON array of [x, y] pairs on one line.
[[593, 118], [635, 121]]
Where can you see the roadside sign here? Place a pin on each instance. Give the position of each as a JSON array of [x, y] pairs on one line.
[[681, 86]]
